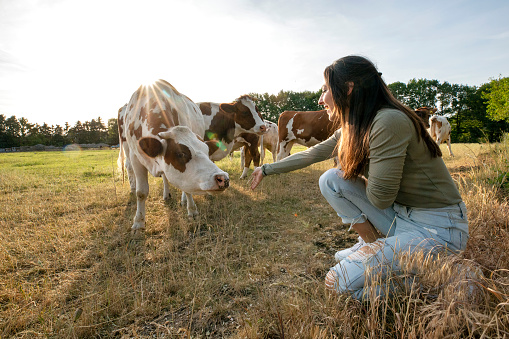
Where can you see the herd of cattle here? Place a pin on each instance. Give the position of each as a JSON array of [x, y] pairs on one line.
[[163, 132]]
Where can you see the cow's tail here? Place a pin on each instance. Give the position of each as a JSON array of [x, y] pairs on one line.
[[121, 159]]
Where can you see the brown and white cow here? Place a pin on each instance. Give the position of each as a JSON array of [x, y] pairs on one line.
[[424, 113], [158, 131], [304, 128], [440, 130], [226, 121]]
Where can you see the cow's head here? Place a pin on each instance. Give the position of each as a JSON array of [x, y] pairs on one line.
[[246, 115], [184, 159], [424, 113]]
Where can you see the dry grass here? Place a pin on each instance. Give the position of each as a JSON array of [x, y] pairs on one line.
[[251, 265]]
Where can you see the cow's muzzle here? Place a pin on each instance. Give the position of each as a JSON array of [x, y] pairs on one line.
[[222, 181]]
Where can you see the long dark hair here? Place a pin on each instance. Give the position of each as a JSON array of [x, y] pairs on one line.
[[357, 110]]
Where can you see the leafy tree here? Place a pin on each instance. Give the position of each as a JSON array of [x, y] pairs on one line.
[[112, 131], [498, 99], [271, 106], [10, 130], [421, 93], [399, 90]]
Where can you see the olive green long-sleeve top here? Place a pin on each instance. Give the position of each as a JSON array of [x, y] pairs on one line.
[[400, 167]]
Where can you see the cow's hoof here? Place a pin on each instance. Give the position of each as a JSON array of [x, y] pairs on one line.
[[167, 197], [192, 214], [136, 233], [243, 176], [138, 226]]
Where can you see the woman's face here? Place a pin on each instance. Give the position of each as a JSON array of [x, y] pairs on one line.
[[326, 100]]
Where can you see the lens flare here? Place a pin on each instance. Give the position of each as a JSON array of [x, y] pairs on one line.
[[213, 136]]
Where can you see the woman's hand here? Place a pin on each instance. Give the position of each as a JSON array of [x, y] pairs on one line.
[[256, 177]]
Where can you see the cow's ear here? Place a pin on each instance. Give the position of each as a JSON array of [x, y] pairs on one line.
[[151, 146], [228, 108]]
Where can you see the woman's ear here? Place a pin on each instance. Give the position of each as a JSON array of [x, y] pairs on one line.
[[350, 87]]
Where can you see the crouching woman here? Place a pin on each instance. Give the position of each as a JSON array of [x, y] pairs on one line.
[[391, 185]]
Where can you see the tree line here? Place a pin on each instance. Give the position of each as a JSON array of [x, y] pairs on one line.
[[478, 114], [20, 132]]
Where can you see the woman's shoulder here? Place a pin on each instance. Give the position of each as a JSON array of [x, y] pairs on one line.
[[391, 121], [391, 117]]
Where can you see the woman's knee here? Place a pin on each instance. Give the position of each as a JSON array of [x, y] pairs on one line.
[[329, 181], [345, 277]]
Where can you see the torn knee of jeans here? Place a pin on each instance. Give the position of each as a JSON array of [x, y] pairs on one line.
[[368, 251], [330, 280]]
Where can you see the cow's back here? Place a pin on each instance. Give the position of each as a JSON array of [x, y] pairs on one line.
[[155, 109]]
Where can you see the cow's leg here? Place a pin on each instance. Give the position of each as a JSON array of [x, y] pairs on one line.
[[248, 157], [262, 151], [192, 210], [142, 189], [166, 189], [242, 157], [130, 170], [252, 154], [284, 149], [449, 145], [274, 153]]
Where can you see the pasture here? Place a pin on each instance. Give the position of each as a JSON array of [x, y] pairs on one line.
[[251, 265]]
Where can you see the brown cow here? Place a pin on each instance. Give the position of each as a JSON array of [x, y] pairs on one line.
[[304, 128], [424, 113]]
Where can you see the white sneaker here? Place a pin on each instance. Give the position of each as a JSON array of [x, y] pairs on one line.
[[340, 255]]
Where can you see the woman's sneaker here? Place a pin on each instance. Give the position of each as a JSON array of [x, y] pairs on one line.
[[340, 255]]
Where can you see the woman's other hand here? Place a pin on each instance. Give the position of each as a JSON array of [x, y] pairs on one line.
[[256, 177]]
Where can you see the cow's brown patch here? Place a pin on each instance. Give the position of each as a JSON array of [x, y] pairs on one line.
[[222, 127], [120, 124], [242, 115], [424, 113], [206, 108], [307, 125], [160, 121], [151, 146], [135, 132], [177, 155]]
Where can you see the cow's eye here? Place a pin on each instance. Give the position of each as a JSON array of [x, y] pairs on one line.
[[181, 155]]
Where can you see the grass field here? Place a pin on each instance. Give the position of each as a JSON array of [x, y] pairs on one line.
[[252, 265]]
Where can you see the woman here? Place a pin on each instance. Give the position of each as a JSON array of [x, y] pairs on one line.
[[391, 185]]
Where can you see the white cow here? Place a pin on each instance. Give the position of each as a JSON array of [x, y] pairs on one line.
[[158, 131], [440, 130]]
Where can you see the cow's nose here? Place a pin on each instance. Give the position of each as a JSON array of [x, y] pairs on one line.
[[222, 181]]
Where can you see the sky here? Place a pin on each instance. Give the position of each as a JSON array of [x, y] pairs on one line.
[[69, 60]]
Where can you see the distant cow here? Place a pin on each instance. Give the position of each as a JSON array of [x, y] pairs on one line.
[[269, 141], [424, 113], [158, 131], [304, 128], [440, 130], [252, 147]]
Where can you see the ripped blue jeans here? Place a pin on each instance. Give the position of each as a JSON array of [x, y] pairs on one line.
[[406, 230]]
